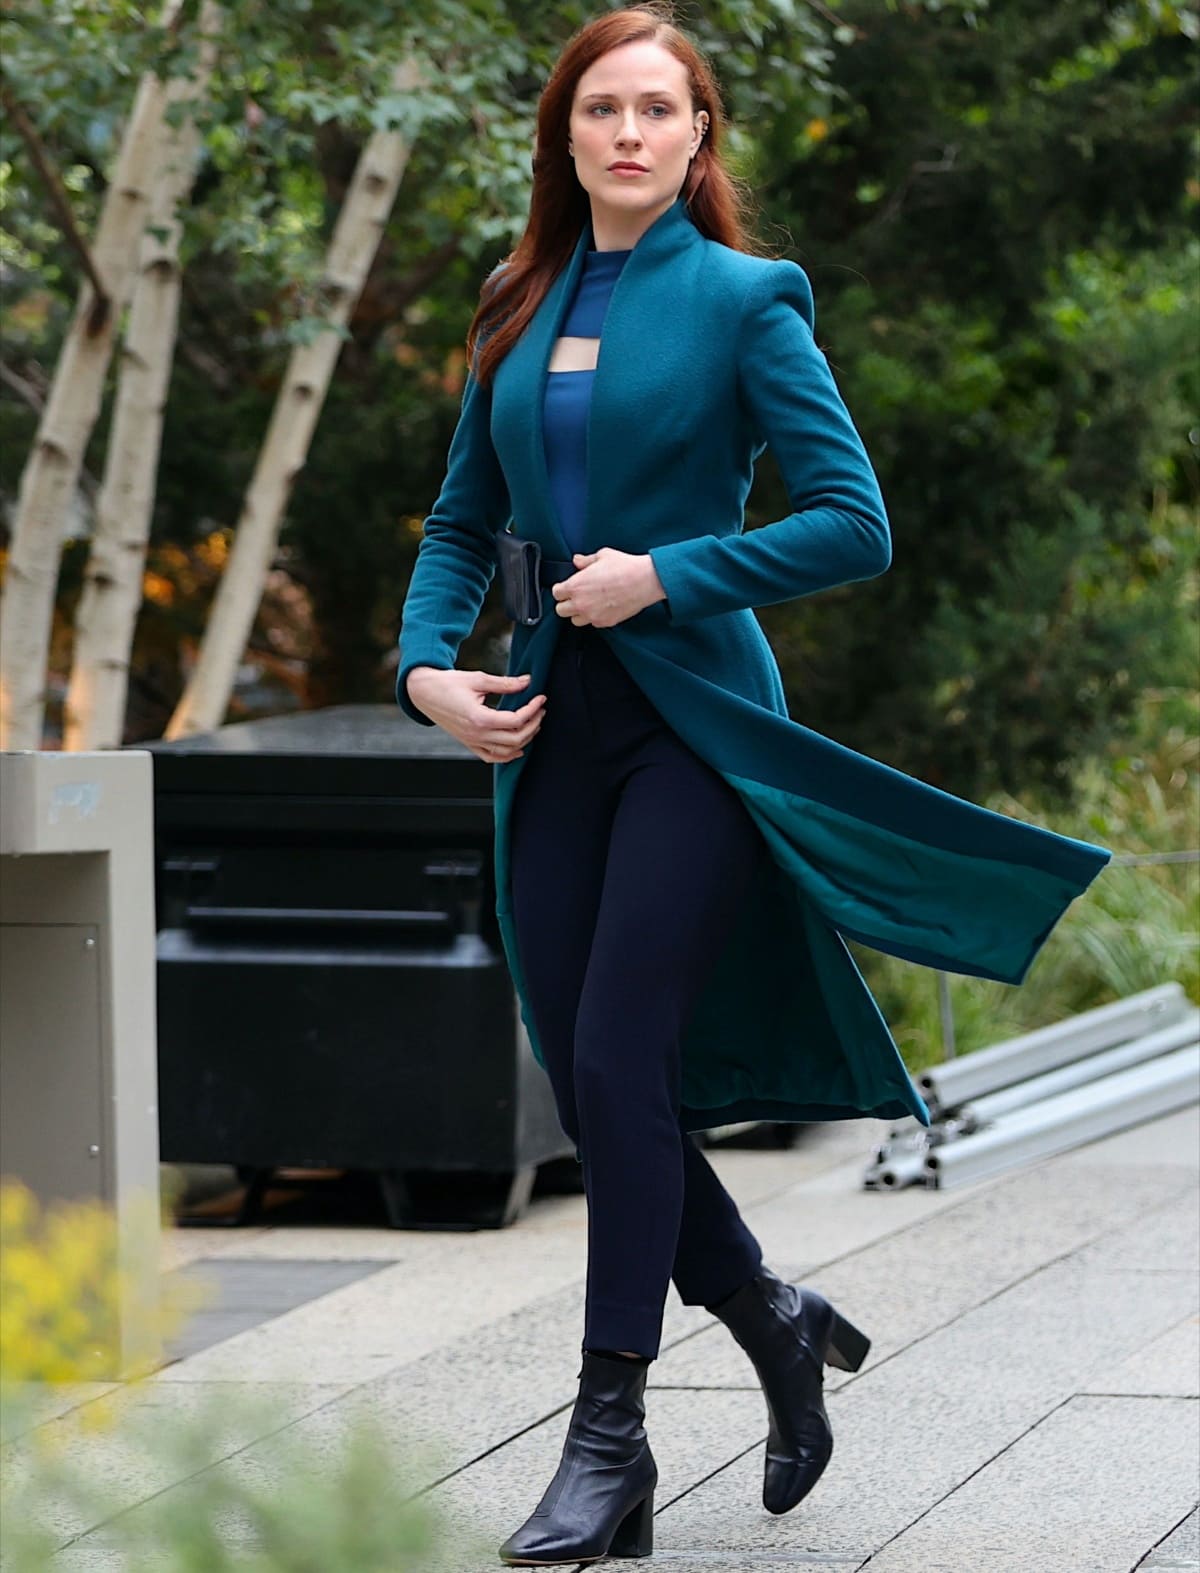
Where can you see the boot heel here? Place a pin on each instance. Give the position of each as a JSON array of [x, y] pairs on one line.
[[847, 1346], [635, 1533]]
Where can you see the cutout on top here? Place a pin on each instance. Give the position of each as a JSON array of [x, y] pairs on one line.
[[573, 354]]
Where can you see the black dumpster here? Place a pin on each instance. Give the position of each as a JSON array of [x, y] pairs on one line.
[[332, 991]]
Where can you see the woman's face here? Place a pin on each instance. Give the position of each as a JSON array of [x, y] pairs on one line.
[[633, 105]]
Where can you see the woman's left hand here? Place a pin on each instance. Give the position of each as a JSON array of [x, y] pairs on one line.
[[609, 587]]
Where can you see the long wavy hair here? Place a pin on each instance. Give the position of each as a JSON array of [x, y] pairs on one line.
[[559, 207]]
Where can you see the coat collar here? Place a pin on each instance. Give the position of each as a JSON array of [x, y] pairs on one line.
[[671, 233]]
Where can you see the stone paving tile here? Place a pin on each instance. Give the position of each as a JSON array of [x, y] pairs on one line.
[[337, 1242], [126, 1468], [241, 1293], [1178, 1550], [76, 1560], [1165, 1367], [1166, 1240], [691, 1435], [1171, 1138], [1093, 1484], [252, 1284], [750, 1175], [182, 1245], [526, 1363], [753, 1176], [32, 1404], [699, 1560], [399, 1314], [749, 1562], [460, 1402], [812, 1224], [914, 1427], [450, 1286], [906, 1285]]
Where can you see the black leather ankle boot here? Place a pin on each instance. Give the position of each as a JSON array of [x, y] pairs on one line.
[[790, 1334], [601, 1500]]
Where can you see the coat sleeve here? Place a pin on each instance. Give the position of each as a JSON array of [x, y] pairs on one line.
[[838, 530], [456, 559]]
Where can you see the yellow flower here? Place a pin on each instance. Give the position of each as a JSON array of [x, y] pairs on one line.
[[64, 1292]]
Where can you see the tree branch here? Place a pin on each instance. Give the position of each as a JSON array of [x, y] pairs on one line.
[[36, 400], [58, 197]]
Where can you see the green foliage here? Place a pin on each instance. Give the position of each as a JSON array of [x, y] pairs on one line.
[[999, 226], [1135, 927], [291, 1506], [348, 1505]]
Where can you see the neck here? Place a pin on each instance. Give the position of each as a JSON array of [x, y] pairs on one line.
[[614, 230]]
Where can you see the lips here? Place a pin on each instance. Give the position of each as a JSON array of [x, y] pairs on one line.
[[632, 168]]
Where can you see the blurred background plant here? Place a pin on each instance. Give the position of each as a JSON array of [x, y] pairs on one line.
[[63, 1289], [99, 1454], [1135, 927]]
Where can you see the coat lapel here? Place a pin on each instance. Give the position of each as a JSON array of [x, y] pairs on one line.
[[527, 366], [622, 341]]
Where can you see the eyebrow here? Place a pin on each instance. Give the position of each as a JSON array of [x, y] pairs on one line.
[[654, 92]]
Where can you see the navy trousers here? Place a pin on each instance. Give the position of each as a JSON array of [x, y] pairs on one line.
[[630, 856]]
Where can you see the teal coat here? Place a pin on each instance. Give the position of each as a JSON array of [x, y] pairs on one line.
[[706, 357]]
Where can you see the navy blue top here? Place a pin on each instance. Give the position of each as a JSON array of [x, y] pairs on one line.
[[569, 396]]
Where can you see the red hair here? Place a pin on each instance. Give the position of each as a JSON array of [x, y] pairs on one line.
[[559, 206]]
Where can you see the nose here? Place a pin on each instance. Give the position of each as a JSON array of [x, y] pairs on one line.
[[629, 132]]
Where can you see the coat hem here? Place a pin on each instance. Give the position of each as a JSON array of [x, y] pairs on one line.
[[770, 1112]]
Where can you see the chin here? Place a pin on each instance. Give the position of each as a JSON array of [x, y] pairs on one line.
[[630, 195]]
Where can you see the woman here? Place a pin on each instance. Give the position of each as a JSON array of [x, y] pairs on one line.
[[678, 866]]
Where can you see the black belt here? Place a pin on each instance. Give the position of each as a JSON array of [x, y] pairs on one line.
[[552, 570]]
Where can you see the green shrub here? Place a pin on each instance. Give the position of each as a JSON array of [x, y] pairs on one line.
[[349, 1507], [1133, 928]]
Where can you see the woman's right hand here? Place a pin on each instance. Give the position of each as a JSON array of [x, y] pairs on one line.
[[457, 702]]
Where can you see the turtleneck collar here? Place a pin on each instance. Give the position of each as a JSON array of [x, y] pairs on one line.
[[594, 261], [670, 230]]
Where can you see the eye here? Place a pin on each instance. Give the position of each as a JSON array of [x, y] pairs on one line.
[[595, 107], [663, 107]]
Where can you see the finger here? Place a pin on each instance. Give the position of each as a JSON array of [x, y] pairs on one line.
[[519, 739], [535, 707], [510, 734], [563, 587], [487, 713], [501, 723], [493, 683]]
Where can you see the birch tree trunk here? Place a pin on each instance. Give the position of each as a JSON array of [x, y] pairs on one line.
[[112, 590], [52, 470], [351, 251]]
